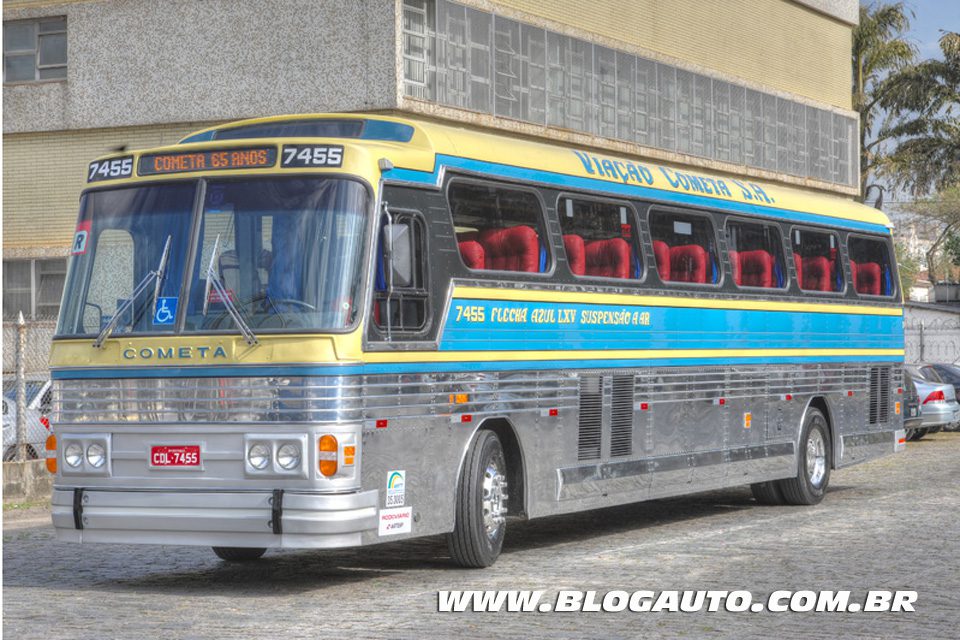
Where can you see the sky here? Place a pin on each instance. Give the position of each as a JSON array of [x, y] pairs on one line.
[[930, 16]]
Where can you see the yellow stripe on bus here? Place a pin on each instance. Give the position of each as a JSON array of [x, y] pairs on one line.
[[528, 295]]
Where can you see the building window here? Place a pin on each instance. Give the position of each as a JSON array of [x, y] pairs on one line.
[[34, 287], [35, 50]]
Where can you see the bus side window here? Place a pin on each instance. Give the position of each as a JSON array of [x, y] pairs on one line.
[[685, 248], [498, 228], [756, 255], [817, 259], [400, 301], [870, 267], [600, 238]]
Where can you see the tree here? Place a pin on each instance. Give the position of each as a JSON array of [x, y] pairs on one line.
[[909, 268], [924, 100], [944, 208], [879, 50]]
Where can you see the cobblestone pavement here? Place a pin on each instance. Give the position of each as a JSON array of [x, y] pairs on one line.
[[890, 524]]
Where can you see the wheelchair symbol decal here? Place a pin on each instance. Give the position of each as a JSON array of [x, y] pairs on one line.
[[166, 311]]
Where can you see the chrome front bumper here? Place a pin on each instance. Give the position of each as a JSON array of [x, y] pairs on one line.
[[216, 518]]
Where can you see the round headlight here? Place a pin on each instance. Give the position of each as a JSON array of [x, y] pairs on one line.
[[288, 456], [259, 456], [73, 455], [96, 455]]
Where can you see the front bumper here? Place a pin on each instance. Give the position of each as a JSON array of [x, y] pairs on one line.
[[216, 518]]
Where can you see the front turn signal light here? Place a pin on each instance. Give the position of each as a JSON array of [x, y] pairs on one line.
[[52, 453], [327, 455]]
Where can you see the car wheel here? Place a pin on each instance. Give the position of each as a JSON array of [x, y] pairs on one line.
[[239, 554], [481, 509], [816, 457]]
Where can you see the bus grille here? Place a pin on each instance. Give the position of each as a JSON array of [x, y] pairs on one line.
[[879, 394], [621, 422], [591, 417]]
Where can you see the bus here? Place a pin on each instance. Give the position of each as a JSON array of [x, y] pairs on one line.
[[321, 331]]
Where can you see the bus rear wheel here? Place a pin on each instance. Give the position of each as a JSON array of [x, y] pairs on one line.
[[238, 554], [481, 509], [816, 458]]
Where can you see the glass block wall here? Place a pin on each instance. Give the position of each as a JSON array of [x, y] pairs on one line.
[[463, 57]]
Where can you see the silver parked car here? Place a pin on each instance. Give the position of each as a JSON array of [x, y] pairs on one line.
[[938, 403], [38, 406]]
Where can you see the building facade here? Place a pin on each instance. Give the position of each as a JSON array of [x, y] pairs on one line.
[[756, 87]]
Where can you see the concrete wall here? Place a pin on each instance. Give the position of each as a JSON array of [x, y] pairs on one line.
[[139, 62], [26, 481], [931, 334]]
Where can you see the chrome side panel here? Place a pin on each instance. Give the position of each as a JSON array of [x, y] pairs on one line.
[[690, 429]]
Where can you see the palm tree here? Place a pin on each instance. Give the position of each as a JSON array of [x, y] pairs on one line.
[[925, 99], [879, 49]]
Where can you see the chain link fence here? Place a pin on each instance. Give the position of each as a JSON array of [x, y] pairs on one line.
[[932, 340], [26, 388]]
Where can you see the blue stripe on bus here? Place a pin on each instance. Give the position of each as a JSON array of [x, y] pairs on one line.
[[634, 191], [548, 326], [439, 367]]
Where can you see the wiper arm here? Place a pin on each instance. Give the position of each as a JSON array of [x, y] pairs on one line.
[[140, 288], [213, 281]]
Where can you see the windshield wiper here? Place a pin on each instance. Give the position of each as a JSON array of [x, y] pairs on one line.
[[213, 280], [140, 288]]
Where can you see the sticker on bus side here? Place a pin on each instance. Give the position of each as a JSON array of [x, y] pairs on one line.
[[110, 169], [311, 155], [396, 489], [81, 238], [394, 521]]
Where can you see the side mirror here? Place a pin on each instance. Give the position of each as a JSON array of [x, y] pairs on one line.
[[398, 250]]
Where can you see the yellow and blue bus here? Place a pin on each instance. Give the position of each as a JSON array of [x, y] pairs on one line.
[[336, 330]]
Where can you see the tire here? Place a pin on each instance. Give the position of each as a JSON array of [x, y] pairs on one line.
[[815, 458], [767, 493], [919, 433], [481, 508], [911, 435], [238, 554]]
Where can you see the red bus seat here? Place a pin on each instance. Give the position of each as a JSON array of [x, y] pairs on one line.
[[754, 268], [688, 263], [661, 251], [817, 274], [576, 258], [608, 258], [513, 249], [473, 254], [867, 277]]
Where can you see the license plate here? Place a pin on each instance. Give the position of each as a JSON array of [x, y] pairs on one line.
[[175, 456]]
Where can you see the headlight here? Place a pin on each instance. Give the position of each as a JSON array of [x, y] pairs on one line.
[[73, 455], [259, 456], [96, 455], [288, 456]]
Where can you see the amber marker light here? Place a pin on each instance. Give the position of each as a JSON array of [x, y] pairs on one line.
[[327, 455], [52, 453]]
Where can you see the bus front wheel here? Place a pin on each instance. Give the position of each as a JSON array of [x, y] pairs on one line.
[[816, 458], [238, 554], [481, 509]]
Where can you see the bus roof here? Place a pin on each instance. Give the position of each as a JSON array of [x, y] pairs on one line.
[[421, 149]]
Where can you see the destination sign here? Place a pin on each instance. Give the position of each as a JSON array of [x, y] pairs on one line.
[[185, 162]]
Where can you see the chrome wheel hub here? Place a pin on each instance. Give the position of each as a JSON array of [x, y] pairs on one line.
[[494, 501], [816, 457]]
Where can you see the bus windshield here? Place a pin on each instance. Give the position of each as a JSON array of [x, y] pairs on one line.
[[285, 253], [120, 239]]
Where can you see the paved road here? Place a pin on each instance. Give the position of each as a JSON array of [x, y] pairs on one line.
[[890, 524]]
